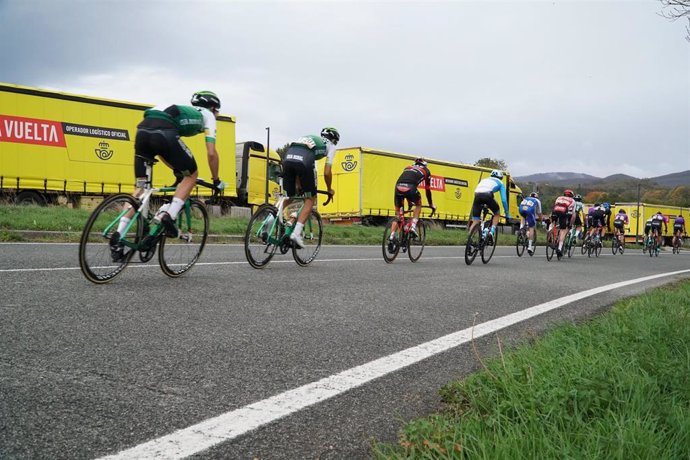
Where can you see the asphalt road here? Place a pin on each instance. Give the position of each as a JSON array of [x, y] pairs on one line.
[[88, 371]]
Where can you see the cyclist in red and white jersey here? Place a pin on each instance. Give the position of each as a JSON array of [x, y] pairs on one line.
[[564, 217], [406, 189]]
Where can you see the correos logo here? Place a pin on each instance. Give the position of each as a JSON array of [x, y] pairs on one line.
[[349, 164]]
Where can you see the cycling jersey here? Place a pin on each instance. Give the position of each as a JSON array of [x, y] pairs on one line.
[[678, 224], [657, 220], [484, 195], [529, 208], [621, 220], [579, 211], [563, 209], [300, 161], [596, 215], [407, 183], [188, 120]]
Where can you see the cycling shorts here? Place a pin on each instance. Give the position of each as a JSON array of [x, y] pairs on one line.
[[562, 219], [597, 222], [578, 221], [619, 224], [656, 225], [481, 199], [157, 137], [407, 192], [647, 228], [530, 216], [298, 163], [677, 228]]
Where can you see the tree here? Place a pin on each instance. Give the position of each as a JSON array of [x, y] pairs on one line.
[[677, 9], [281, 150], [492, 163]]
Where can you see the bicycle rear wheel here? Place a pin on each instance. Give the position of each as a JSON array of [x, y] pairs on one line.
[[472, 245], [614, 245], [262, 228], [571, 245], [597, 248], [177, 255], [312, 234], [520, 243], [487, 249], [391, 248], [97, 262], [551, 243], [415, 246]]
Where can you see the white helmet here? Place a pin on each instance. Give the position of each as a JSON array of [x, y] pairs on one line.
[[497, 174]]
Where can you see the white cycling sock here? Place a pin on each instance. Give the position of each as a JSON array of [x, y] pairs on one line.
[[175, 207], [298, 228], [124, 221]]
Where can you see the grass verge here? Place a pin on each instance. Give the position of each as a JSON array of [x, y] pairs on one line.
[[617, 387]]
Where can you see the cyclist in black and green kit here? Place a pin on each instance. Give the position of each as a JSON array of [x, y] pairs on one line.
[[160, 134], [299, 171]]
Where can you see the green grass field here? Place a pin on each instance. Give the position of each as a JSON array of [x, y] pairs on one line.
[[617, 387]]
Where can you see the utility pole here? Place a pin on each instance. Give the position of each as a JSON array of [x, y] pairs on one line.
[[268, 150]]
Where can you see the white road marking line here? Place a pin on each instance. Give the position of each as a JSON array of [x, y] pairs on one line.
[[230, 425]]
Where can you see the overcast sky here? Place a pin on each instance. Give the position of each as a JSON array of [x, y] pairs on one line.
[[599, 87]]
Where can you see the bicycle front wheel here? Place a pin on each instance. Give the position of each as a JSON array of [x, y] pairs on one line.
[[487, 250], [391, 248], [98, 262], [472, 245], [415, 246], [614, 245], [177, 255], [261, 236], [311, 235]]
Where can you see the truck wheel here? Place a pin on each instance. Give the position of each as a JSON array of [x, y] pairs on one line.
[[30, 197]]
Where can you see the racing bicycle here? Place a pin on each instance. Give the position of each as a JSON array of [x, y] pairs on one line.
[[268, 231], [677, 244], [480, 239], [618, 243], [104, 253], [403, 240], [522, 241]]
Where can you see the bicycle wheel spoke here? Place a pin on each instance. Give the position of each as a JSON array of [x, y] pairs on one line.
[[262, 232], [472, 245], [311, 235], [177, 255], [97, 261], [416, 244], [390, 248]]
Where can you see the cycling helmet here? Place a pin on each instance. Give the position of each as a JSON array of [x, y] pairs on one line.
[[497, 174], [534, 195], [568, 192], [207, 99], [331, 134], [420, 162], [607, 205], [596, 205], [577, 197], [621, 211]]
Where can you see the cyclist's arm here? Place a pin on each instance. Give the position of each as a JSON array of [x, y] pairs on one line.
[[210, 138], [504, 200], [327, 170]]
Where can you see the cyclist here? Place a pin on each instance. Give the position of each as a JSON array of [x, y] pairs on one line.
[[299, 172], [647, 231], [678, 227], [619, 223], [657, 220], [484, 195], [530, 211], [579, 215], [597, 216], [160, 133], [606, 224], [406, 189], [564, 216]]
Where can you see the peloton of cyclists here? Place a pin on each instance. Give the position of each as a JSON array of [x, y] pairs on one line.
[[530, 211], [564, 216], [406, 189]]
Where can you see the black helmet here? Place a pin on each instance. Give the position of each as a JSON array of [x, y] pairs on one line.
[[577, 197], [621, 211], [206, 99], [331, 134], [420, 161], [534, 195]]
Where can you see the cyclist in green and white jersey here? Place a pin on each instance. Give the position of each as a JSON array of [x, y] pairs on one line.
[[299, 172], [159, 134]]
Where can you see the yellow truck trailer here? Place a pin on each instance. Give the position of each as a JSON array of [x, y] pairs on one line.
[[251, 173], [58, 147], [638, 213], [364, 179]]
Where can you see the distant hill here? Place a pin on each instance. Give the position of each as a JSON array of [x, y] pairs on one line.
[[558, 178], [573, 179]]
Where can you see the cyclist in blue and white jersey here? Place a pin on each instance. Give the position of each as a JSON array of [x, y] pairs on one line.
[[484, 195], [530, 211], [299, 172]]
